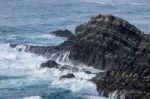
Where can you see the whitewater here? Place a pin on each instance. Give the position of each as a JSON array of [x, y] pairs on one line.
[[29, 22], [20, 70]]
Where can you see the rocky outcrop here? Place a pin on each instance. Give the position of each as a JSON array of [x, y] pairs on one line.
[[105, 41], [50, 64], [68, 76], [112, 44], [62, 33], [44, 50]]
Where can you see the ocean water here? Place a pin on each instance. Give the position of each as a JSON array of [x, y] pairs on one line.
[[30, 21]]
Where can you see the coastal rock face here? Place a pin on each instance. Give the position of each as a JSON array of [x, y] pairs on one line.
[[114, 45], [105, 42], [46, 51], [62, 33]]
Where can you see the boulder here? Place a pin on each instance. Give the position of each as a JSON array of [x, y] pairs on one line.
[[68, 76], [62, 33], [50, 64]]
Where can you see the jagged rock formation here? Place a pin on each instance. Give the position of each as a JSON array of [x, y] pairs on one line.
[[111, 43], [105, 41], [114, 45]]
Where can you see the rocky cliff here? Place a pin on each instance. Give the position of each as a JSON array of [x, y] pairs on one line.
[[105, 42], [112, 44]]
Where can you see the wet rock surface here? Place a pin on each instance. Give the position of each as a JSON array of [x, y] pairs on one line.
[[46, 51], [62, 33], [50, 64], [68, 76], [112, 44], [105, 41]]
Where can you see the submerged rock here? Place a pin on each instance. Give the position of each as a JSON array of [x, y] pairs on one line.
[[68, 76], [62, 33], [50, 64]]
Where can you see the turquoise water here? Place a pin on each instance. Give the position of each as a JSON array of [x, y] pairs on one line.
[[30, 21]]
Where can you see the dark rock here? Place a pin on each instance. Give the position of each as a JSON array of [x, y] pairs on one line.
[[68, 76], [69, 68], [44, 50], [87, 72], [105, 41], [112, 44], [50, 64], [62, 33], [13, 45]]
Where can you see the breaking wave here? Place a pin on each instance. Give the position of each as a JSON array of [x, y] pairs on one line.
[[23, 69]]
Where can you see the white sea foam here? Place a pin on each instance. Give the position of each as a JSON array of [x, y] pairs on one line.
[[33, 97], [45, 35], [17, 64], [61, 57], [48, 36], [95, 97], [79, 84], [5, 52], [27, 66]]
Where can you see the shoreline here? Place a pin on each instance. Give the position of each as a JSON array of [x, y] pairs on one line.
[[112, 44]]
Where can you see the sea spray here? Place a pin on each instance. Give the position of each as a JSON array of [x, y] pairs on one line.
[[78, 85]]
